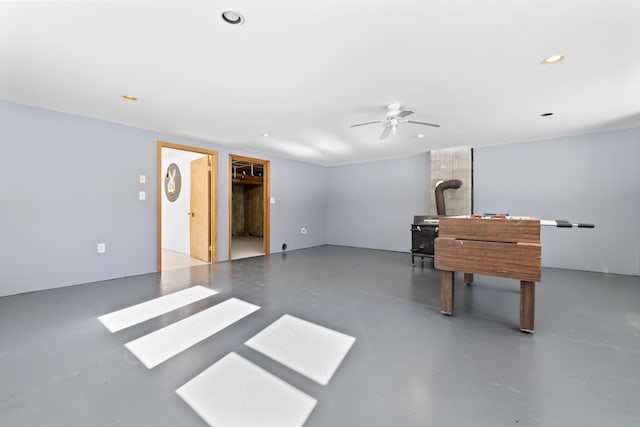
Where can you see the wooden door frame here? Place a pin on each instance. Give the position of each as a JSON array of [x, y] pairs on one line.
[[213, 188], [266, 185]]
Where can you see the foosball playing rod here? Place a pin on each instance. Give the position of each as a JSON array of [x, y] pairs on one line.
[[561, 223]]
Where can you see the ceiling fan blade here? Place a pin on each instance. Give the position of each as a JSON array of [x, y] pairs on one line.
[[404, 113], [385, 132], [423, 123], [367, 123]]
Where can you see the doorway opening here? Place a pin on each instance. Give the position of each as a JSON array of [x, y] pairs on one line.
[[187, 206], [248, 207]]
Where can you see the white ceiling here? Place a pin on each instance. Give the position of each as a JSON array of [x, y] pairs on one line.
[[305, 71]]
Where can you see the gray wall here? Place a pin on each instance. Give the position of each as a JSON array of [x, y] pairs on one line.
[[371, 205], [591, 178], [67, 184], [300, 192], [70, 182]]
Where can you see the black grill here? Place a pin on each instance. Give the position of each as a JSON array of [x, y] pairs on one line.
[[424, 231]]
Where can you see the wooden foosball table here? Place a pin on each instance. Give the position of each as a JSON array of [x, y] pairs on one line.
[[506, 247]]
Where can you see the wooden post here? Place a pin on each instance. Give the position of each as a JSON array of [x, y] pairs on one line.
[[446, 293], [527, 305]]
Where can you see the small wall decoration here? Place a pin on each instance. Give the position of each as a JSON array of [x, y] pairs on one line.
[[172, 182]]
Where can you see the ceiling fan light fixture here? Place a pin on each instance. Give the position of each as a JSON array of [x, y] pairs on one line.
[[553, 59], [393, 119], [232, 17]]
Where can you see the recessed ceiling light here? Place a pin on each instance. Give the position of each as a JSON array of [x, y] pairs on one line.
[[130, 97], [553, 59], [232, 17], [420, 136], [546, 114], [266, 135]]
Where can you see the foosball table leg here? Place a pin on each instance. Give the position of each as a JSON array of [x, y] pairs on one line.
[[468, 278], [446, 293], [527, 306]]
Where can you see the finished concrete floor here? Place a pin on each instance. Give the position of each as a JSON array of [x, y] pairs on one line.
[[409, 366]]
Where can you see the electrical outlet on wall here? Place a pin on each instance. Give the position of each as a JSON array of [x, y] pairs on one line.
[[102, 248]]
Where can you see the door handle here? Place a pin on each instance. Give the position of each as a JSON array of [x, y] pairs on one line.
[[191, 214]]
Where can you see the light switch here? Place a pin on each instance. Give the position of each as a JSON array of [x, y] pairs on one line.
[[142, 195], [142, 179], [273, 200]]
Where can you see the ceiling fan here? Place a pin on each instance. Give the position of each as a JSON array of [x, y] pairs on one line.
[[393, 118]]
